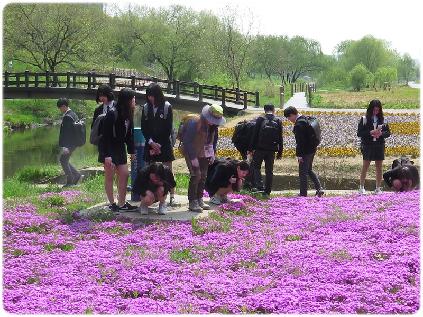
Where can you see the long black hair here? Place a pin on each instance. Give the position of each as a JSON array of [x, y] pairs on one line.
[[123, 105], [375, 103], [105, 90], [155, 91]]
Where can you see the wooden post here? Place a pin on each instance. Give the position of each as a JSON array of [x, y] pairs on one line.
[[74, 80], [154, 80], [245, 100], [257, 99], [26, 78], [47, 78], [174, 87], [89, 80], [178, 89], [200, 93], [112, 80], [237, 95], [94, 79], [6, 79], [37, 80], [309, 95], [67, 79], [195, 89], [223, 97], [215, 92], [292, 89], [133, 82], [18, 80]]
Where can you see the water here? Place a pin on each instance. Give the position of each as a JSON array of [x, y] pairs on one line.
[[37, 147]]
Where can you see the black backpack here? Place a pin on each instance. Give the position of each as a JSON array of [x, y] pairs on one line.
[[269, 133], [315, 131], [243, 132], [402, 161], [80, 131], [97, 129]]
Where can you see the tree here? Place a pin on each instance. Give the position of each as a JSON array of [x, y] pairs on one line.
[[47, 36], [406, 68], [385, 76], [358, 76]]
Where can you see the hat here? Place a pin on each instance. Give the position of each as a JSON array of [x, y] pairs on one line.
[[213, 114]]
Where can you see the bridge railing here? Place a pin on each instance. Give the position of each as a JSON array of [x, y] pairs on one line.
[[91, 80]]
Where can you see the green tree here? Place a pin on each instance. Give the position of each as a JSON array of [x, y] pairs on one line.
[[407, 68], [358, 76], [49, 36]]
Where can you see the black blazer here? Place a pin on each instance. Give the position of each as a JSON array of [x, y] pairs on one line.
[[123, 135], [303, 133], [254, 138], [67, 131], [218, 175], [396, 173], [143, 183], [155, 126], [363, 131]]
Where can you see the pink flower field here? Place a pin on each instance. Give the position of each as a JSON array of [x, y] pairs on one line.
[[353, 254]]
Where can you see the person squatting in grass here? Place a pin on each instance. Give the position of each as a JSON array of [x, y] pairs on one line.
[[403, 176], [373, 130], [67, 142], [157, 128], [117, 138], [153, 183], [225, 176], [197, 138], [305, 150]]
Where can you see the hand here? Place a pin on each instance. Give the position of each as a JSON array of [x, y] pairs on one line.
[[155, 146], [396, 184], [211, 159], [300, 160], [232, 180], [108, 162], [195, 163], [65, 151]]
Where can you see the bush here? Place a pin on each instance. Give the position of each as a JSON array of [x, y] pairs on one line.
[[34, 174], [358, 76]]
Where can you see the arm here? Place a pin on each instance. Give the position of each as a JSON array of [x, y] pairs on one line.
[[66, 133], [254, 137], [386, 132], [129, 139], [144, 126], [363, 130], [301, 139], [280, 141], [189, 137], [107, 130], [389, 176], [168, 124]]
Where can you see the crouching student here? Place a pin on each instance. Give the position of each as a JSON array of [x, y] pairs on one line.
[[153, 183], [225, 176], [402, 178]]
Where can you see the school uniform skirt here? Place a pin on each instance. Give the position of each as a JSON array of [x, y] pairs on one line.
[[118, 153], [373, 152]]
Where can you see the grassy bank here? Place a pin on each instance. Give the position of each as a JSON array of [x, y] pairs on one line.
[[396, 98]]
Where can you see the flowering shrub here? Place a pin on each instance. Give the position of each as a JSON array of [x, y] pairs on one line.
[[353, 254]]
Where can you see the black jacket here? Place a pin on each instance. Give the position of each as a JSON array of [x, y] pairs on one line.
[[155, 127], [67, 131], [219, 173], [363, 131], [254, 143], [303, 137], [98, 111], [143, 183], [406, 171], [108, 143]]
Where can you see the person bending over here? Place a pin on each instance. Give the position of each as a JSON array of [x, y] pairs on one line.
[[402, 178]]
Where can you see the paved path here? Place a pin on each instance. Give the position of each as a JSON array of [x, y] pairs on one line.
[[413, 84], [298, 100]]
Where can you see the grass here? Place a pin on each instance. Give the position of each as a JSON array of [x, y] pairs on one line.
[[397, 98]]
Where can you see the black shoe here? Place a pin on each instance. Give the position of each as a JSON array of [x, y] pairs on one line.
[[79, 178], [113, 207], [128, 207], [320, 193], [67, 185]]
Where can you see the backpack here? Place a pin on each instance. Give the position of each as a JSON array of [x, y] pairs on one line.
[[269, 133], [242, 135], [80, 131], [167, 105], [316, 134], [402, 161], [181, 127], [96, 131]]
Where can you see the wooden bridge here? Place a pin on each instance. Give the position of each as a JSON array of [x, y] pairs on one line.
[[184, 95]]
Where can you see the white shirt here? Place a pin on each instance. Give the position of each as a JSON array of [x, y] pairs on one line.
[[111, 106]]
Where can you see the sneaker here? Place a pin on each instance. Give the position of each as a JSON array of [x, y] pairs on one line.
[[114, 207], [215, 200], [128, 207], [378, 190], [362, 191], [320, 192], [194, 206], [143, 209], [173, 202], [225, 199], [162, 209], [203, 205], [67, 185]]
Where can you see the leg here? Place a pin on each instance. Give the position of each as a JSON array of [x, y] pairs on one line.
[[313, 175], [64, 161], [303, 172], [363, 174], [378, 173], [122, 172], [256, 169], [172, 201], [269, 161], [204, 165], [146, 201], [108, 183], [161, 197]]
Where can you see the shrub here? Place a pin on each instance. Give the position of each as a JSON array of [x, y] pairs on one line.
[[358, 76]]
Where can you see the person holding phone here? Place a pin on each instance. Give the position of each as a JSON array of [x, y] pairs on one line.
[[373, 129]]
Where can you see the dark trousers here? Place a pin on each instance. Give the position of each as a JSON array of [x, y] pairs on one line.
[[71, 173], [136, 164], [269, 159], [304, 170], [197, 179]]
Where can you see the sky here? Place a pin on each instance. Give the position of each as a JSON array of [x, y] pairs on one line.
[[327, 21]]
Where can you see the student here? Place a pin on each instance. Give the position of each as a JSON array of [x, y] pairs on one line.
[[197, 138], [117, 138], [67, 142], [153, 182], [402, 178], [224, 177], [373, 129], [157, 128], [106, 99], [305, 150], [265, 141]]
